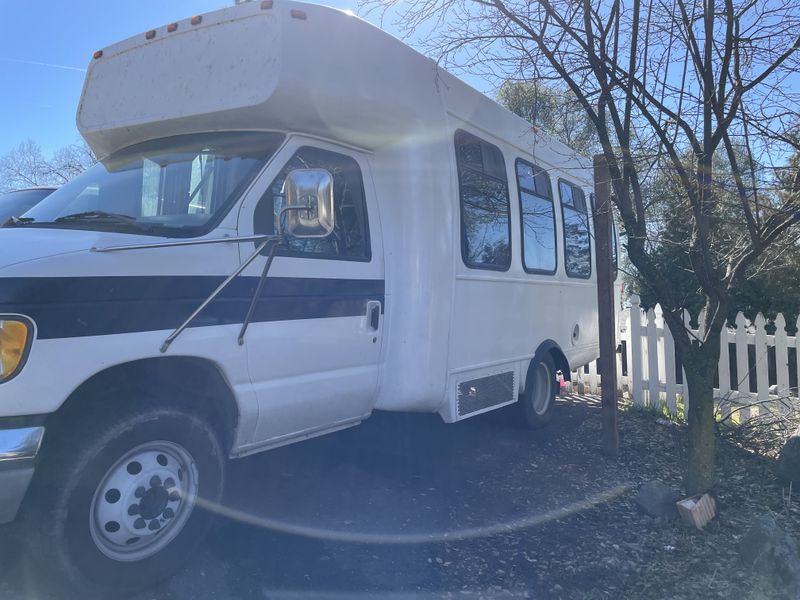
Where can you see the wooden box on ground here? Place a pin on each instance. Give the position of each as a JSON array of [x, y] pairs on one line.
[[697, 510]]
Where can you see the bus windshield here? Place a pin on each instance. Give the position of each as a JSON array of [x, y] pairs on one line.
[[179, 186]]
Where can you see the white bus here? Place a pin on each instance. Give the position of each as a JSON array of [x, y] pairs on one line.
[[424, 250]]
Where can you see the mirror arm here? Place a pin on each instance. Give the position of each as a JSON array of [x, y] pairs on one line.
[[275, 243], [287, 209], [216, 292]]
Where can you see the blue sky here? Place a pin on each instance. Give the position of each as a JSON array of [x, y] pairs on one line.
[[45, 47]]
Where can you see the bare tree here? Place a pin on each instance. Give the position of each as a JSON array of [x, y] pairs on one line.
[[26, 165], [669, 86], [553, 109]]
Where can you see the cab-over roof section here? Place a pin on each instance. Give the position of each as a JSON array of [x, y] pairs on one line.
[[266, 66], [322, 71]]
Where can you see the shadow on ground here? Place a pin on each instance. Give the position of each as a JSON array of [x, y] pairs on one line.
[[403, 505]]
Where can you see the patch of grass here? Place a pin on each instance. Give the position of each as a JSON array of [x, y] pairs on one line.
[[660, 412]]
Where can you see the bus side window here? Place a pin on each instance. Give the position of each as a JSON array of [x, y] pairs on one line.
[[577, 241], [537, 219], [485, 206]]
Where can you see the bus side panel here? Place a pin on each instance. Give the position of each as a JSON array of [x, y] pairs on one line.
[[417, 216], [501, 317]]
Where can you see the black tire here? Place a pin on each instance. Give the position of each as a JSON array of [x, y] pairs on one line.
[[63, 552], [538, 400]]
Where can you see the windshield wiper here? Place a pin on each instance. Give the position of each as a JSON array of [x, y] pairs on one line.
[[101, 216], [89, 216], [17, 221], [97, 215]]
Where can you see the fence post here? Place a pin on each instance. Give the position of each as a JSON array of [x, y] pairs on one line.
[[618, 357], [635, 352], [797, 353], [653, 387], [781, 356], [660, 329], [724, 371], [629, 351], [762, 366], [592, 377], [687, 330], [742, 366], [669, 371]]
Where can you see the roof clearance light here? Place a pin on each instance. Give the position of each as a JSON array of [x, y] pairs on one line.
[[98, 54], [172, 27], [266, 5], [196, 20], [298, 14], [150, 34]]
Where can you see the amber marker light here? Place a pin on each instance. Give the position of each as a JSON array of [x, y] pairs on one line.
[[97, 54], [14, 343], [150, 34], [196, 20], [298, 14], [172, 27]]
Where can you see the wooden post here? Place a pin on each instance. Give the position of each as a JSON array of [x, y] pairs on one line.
[[781, 356], [724, 370], [635, 353], [653, 378], [661, 328], [762, 366], [797, 353], [687, 326], [619, 337], [669, 371], [593, 379], [742, 367], [605, 306]]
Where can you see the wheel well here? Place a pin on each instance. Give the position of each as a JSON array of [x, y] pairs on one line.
[[559, 360], [183, 382]]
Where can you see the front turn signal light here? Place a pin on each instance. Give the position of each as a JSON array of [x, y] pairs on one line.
[[14, 343]]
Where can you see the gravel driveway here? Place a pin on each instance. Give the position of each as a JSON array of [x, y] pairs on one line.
[[401, 506]]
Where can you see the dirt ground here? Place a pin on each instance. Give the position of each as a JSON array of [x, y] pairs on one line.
[[405, 506]]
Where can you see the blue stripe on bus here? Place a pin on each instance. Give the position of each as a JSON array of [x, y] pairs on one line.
[[65, 307]]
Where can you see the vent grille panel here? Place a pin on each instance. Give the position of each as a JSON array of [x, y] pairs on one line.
[[477, 394]]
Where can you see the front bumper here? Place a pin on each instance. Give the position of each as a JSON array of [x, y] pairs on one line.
[[18, 450]]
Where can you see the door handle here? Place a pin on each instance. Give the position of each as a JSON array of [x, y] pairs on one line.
[[373, 315]]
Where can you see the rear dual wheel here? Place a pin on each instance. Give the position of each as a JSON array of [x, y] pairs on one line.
[[120, 503], [538, 399]]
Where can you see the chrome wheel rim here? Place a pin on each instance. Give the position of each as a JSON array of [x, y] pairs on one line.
[[143, 501], [542, 388]]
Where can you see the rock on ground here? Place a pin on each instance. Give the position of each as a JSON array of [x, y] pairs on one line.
[[768, 548], [657, 499], [789, 460]]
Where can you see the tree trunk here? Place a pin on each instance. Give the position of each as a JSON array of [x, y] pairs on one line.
[[700, 475]]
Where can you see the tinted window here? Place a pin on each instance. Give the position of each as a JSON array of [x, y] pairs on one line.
[[15, 204], [537, 218], [577, 243], [483, 189], [350, 237]]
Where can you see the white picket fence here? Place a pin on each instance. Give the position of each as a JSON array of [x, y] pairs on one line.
[[752, 377]]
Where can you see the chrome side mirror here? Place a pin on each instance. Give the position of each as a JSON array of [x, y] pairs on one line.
[[309, 203]]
